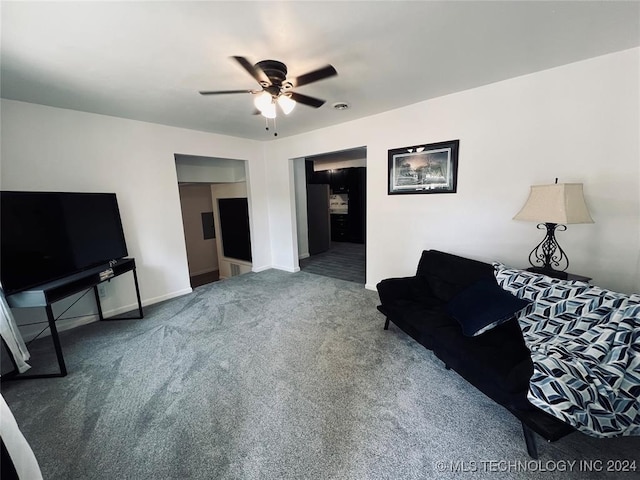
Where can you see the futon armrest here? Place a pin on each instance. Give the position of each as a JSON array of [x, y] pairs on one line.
[[391, 290]]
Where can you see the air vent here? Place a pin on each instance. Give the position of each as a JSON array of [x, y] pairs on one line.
[[235, 270]]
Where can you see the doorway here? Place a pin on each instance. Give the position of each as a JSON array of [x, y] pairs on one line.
[[199, 234], [206, 183], [335, 220]]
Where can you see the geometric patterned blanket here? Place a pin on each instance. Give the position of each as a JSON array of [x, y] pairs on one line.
[[585, 347]]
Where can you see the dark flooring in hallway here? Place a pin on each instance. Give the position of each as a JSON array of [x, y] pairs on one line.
[[343, 260], [203, 279]]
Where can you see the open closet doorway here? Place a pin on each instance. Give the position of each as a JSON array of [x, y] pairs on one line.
[[331, 201], [215, 215], [199, 233]]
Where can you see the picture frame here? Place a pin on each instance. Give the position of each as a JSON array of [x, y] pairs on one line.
[[427, 168]]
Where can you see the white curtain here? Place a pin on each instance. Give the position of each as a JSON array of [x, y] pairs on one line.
[[22, 457], [11, 335]]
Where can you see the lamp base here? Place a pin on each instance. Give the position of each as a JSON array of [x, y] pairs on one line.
[[548, 254], [549, 272]]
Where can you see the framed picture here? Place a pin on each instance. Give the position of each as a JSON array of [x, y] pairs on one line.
[[431, 168]]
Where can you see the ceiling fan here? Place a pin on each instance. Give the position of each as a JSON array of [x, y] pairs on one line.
[[276, 88]]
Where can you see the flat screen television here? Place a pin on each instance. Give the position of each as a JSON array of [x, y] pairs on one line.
[[234, 223], [45, 236]]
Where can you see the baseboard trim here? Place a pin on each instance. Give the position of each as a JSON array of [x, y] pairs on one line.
[[151, 301], [63, 324], [260, 269], [68, 324], [368, 286], [276, 267], [146, 303], [287, 269]]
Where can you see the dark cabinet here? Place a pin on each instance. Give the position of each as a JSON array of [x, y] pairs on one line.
[[315, 178], [339, 228], [340, 180], [357, 181], [350, 227]]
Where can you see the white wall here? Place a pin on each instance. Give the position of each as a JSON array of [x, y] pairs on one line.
[[300, 186], [578, 122], [45, 148]]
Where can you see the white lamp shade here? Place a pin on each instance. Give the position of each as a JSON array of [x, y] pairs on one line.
[[262, 101], [269, 111], [561, 203], [286, 104]]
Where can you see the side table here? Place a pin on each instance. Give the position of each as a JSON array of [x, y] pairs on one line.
[[560, 275]]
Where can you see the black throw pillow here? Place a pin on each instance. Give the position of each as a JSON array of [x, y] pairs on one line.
[[442, 289], [483, 306]]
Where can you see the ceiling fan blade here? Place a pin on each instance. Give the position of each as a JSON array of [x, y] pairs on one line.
[[224, 92], [314, 76], [306, 100], [256, 73]]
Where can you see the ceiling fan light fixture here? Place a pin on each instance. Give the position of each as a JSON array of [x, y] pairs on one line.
[[263, 101], [271, 75], [287, 104], [269, 111]]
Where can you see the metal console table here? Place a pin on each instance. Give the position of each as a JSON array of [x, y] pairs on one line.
[[47, 294]]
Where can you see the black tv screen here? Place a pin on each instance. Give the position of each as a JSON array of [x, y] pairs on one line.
[[49, 235], [234, 223]]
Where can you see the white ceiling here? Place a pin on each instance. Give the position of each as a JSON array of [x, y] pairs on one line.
[[148, 60]]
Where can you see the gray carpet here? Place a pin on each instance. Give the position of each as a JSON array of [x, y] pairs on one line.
[[343, 260], [272, 375]]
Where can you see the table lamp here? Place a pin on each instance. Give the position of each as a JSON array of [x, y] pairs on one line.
[[554, 207]]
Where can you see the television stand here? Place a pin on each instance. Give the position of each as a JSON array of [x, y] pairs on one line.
[[47, 294]]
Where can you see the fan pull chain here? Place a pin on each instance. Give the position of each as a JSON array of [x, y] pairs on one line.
[[266, 120]]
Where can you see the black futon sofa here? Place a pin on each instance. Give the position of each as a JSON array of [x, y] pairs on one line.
[[497, 362]]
